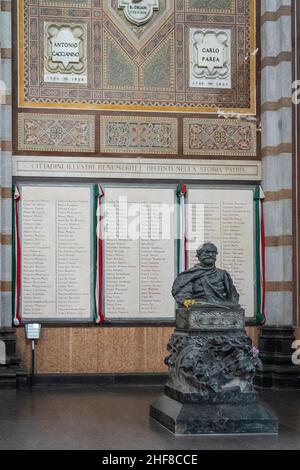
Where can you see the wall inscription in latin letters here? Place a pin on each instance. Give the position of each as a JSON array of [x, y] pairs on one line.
[[65, 53], [139, 254], [210, 58], [138, 12], [228, 222], [56, 253]]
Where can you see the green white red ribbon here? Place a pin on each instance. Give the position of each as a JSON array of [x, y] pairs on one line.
[[16, 267], [260, 256], [181, 193], [98, 250]]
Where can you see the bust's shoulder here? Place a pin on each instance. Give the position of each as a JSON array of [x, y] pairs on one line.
[[223, 272]]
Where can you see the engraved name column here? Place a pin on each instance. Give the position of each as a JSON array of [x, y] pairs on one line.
[[56, 253]]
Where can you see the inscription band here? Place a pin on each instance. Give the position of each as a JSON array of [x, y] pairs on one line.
[[140, 168]]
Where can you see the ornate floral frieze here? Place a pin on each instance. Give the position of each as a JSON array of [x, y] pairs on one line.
[[141, 135], [56, 133], [217, 6], [221, 137], [66, 3]]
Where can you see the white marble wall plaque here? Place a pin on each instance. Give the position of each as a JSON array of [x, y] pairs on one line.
[[65, 53], [210, 58], [136, 168], [229, 223], [138, 12], [56, 253], [139, 254]]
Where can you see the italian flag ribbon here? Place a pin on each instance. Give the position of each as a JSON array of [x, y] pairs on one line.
[[260, 256], [181, 193], [16, 264], [98, 254]]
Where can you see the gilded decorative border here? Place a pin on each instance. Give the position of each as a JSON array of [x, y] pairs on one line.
[[219, 139], [126, 148]]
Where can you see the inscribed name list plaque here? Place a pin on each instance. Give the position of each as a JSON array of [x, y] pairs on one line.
[[139, 254], [56, 253], [228, 217]]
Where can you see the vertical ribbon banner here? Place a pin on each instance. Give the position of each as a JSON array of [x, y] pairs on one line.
[[16, 262], [260, 256], [181, 193], [98, 255]]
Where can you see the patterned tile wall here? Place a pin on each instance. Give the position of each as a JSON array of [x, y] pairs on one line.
[[56, 132], [219, 137], [139, 135], [136, 67]]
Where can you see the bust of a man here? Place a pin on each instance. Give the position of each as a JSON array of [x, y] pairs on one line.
[[204, 283]]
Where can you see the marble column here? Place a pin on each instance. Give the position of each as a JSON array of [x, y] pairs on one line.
[[5, 164], [277, 152], [10, 374]]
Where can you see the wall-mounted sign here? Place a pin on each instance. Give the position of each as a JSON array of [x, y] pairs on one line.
[[210, 58], [138, 12], [65, 53]]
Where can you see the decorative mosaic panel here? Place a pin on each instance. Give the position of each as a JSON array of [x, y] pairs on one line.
[[56, 133], [228, 137], [138, 135], [218, 6], [66, 3], [141, 67]]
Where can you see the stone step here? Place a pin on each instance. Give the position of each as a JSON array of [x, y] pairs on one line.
[[8, 380], [279, 358]]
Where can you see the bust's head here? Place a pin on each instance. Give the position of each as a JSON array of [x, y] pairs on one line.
[[207, 254]]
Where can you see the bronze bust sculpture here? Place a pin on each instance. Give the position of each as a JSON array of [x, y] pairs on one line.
[[204, 283], [211, 362]]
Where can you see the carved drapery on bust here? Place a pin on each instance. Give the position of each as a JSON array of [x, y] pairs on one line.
[[204, 283]]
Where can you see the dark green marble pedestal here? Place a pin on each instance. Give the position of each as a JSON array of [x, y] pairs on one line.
[[211, 366], [211, 418]]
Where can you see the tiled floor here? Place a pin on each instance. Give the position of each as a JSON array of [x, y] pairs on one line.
[[117, 418]]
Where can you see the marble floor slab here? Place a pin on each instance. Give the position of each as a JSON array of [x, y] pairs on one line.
[[118, 418]]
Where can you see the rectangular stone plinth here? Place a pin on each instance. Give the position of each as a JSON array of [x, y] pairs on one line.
[[210, 318], [197, 419], [230, 396]]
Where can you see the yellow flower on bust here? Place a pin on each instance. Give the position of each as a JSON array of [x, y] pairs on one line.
[[189, 303]]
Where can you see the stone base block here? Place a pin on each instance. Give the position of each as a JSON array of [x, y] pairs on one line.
[[197, 419], [12, 376], [230, 396], [276, 351], [209, 318]]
